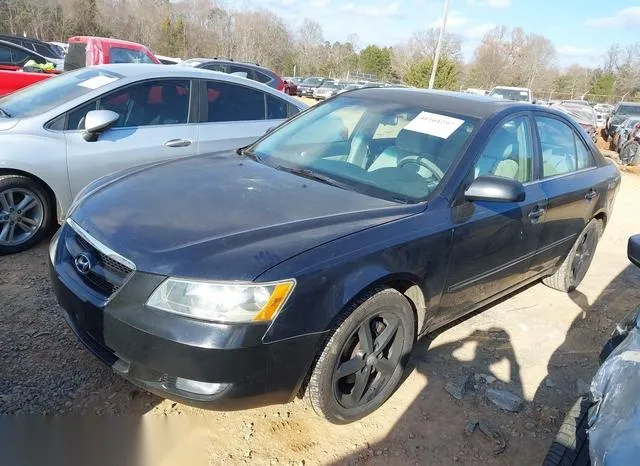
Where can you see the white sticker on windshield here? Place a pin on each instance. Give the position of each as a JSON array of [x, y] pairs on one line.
[[97, 81], [524, 93], [433, 124]]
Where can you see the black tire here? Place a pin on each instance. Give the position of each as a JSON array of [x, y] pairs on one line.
[[571, 445], [23, 185], [576, 264], [378, 310]]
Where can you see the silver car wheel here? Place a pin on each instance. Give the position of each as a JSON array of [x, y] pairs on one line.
[[21, 216]]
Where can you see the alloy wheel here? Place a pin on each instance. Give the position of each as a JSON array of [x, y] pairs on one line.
[[368, 360], [21, 216], [583, 256]]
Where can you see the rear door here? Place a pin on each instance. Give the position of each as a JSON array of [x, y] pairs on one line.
[[156, 123], [573, 184], [233, 115], [493, 242]]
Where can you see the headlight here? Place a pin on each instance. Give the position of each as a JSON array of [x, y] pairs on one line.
[[221, 302]]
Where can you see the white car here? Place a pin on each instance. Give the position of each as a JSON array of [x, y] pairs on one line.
[[520, 94], [61, 134]]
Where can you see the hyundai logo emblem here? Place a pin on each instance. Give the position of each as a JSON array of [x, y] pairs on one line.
[[83, 264]]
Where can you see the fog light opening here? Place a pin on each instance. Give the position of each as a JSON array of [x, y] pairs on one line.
[[200, 388]]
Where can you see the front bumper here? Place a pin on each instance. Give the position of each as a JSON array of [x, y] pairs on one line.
[[305, 92], [163, 353]]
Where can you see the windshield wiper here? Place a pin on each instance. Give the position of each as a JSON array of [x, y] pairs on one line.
[[305, 172], [5, 113]]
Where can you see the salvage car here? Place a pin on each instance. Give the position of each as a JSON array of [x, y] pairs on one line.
[[622, 111], [251, 71], [623, 132], [584, 115], [602, 427], [326, 90], [311, 260], [59, 135], [89, 51]]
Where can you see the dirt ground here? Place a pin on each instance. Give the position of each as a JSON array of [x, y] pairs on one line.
[[537, 344]]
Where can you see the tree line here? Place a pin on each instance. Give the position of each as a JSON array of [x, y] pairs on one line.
[[208, 28]]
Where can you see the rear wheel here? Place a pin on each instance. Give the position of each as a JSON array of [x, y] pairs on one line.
[[571, 445], [25, 213], [577, 262], [364, 360]]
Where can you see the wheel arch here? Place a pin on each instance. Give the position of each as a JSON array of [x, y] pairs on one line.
[[602, 217], [52, 195]]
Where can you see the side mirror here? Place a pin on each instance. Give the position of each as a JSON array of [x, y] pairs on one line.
[[97, 122], [495, 189], [633, 250]]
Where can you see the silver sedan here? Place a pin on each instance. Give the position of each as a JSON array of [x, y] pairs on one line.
[[59, 135]]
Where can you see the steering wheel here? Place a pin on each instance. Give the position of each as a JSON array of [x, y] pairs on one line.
[[424, 162]]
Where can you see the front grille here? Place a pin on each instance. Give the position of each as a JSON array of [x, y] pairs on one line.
[[106, 274]]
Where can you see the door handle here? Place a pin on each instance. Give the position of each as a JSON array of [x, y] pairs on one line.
[[535, 215], [590, 195], [178, 143]]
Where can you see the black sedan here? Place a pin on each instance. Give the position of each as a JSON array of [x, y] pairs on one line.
[[311, 261]]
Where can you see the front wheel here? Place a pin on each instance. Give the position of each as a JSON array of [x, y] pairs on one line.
[[25, 213], [577, 262], [364, 360]]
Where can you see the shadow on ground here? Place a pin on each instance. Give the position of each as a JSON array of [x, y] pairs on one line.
[[428, 423]]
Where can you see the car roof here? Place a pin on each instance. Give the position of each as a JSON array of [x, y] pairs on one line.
[[512, 88], [9, 37], [227, 61], [20, 47], [123, 43], [477, 106], [630, 104]]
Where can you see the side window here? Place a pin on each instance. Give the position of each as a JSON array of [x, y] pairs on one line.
[[19, 56], [150, 103], [216, 67], [75, 119], [5, 54], [558, 145], [241, 70], [292, 110], [585, 159], [508, 152], [277, 109], [263, 78], [231, 102]]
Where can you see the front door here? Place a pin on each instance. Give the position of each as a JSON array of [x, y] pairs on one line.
[[493, 242], [154, 125]]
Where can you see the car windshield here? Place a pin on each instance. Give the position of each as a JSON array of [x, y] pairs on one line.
[[379, 148], [48, 94], [631, 122], [329, 85], [122, 55], [580, 113], [510, 94], [629, 110], [312, 81]]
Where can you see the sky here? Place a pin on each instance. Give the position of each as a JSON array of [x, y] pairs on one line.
[[581, 30]]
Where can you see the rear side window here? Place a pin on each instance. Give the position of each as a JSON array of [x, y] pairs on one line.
[[231, 102], [216, 67], [261, 77], [76, 56], [278, 109], [562, 150], [241, 70]]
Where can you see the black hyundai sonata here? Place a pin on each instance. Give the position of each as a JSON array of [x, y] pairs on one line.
[[311, 261]]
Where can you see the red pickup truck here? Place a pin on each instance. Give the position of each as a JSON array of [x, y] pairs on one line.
[[86, 51], [11, 81]]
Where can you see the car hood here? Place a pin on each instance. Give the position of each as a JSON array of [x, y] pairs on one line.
[[221, 216]]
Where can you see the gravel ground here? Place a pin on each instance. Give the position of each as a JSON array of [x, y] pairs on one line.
[[539, 345]]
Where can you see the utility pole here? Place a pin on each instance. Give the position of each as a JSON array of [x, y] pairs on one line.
[[439, 45]]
